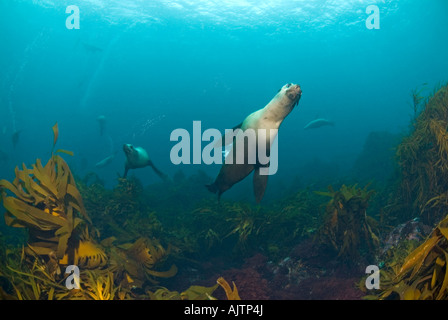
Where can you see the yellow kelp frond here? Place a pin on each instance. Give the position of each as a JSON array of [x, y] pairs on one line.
[[163, 274], [192, 293], [147, 252], [87, 255], [47, 202], [164, 294], [424, 273], [138, 262], [99, 286], [417, 257], [199, 293], [231, 294], [29, 281]]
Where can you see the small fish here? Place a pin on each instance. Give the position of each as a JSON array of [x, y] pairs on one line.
[[319, 123]]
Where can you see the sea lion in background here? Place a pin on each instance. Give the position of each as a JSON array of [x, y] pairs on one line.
[[269, 117], [15, 138], [319, 123], [101, 121], [3, 157], [106, 161], [137, 157]]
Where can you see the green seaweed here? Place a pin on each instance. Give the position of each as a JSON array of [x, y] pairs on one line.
[[347, 227]]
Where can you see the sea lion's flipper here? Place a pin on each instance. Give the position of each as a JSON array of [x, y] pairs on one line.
[[213, 188], [162, 176], [126, 169], [260, 183], [225, 138]]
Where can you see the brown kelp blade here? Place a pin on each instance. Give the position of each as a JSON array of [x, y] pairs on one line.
[[231, 294], [417, 257], [56, 133]]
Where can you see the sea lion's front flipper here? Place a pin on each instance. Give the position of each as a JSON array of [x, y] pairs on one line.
[[162, 176], [260, 183], [227, 138], [126, 169]]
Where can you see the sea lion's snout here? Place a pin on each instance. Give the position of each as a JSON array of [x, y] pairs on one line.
[[294, 91], [127, 148]]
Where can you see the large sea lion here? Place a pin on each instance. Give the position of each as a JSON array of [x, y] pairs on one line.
[[268, 118], [137, 157]]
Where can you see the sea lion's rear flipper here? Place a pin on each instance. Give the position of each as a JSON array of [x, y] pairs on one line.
[[162, 176], [213, 188], [260, 183]]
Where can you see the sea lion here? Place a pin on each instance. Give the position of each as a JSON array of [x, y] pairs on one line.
[[105, 161], [268, 118], [319, 123], [137, 157], [101, 122], [15, 138], [3, 157]]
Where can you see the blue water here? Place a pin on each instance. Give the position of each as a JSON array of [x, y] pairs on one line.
[[154, 66]]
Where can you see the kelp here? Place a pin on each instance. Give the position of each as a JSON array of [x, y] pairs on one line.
[[197, 292], [34, 280], [347, 227], [120, 212], [227, 224], [232, 294], [86, 254], [241, 228], [417, 99], [101, 286], [423, 159], [46, 201], [135, 263], [423, 275], [245, 222], [192, 293]]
